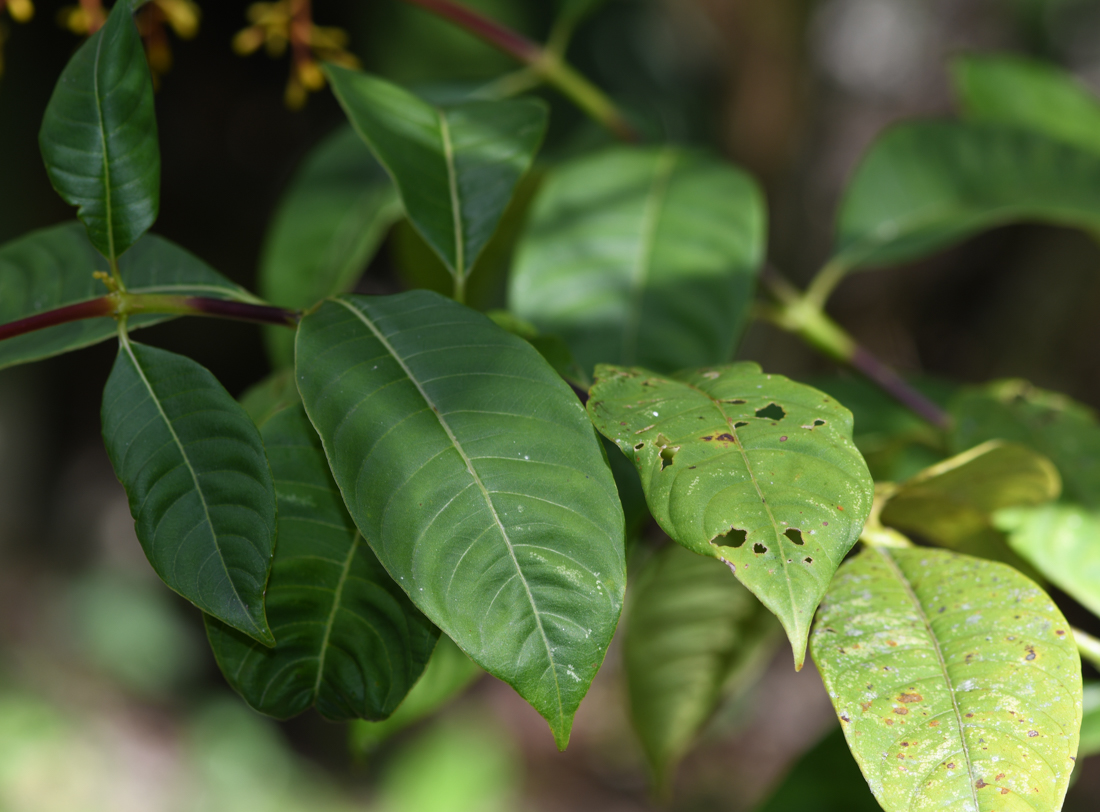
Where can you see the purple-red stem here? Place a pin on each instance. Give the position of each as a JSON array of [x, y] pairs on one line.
[[898, 388], [488, 29], [242, 311], [103, 306]]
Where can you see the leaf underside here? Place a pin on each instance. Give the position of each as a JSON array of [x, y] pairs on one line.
[[99, 136], [350, 642], [750, 468], [473, 472], [53, 267], [456, 168], [642, 256], [956, 680], [199, 485]]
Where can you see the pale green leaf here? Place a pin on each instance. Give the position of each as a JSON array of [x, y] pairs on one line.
[[642, 256], [200, 488], [350, 643], [956, 680], [473, 472], [750, 468]]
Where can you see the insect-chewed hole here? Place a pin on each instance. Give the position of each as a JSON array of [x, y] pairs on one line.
[[819, 422], [759, 548], [740, 424], [773, 411], [735, 401], [808, 560], [639, 446], [794, 535], [668, 451], [733, 538]]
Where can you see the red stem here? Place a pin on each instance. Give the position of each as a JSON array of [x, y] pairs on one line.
[[103, 306], [241, 311], [897, 387], [489, 30]]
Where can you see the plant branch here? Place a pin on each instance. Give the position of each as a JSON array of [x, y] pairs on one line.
[[121, 305], [800, 315], [546, 63], [1088, 646]]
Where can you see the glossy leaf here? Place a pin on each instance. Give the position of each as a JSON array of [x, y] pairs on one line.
[[693, 636], [200, 489], [329, 224], [1054, 425], [955, 499], [456, 168], [53, 267], [642, 256], [449, 673], [473, 472], [99, 136], [825, 779], [924, 186], [1039, 96], [1061, 541], [350, 643], [956, 681], [750, 468]]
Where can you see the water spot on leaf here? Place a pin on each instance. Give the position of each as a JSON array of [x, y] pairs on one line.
[[773, 411]]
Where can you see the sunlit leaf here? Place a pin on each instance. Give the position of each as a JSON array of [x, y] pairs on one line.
[[642, 256], [750, 468], [473, 472], [1039, 96], [200, 489], [926, 185], [329, 224], [99, 136], [53, 267], [956, 680], [693, 636], [350, 643], [449, 673], [456, 168]]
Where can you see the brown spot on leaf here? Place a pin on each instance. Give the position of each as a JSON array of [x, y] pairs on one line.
[[980, 784], [783, 439], [1000, 777], [1030, 652], [1031, 734], [709, 437], [951, 766], [865, 706], [892, 643], [728, 438], [910, 698], [1060, 632], [1004, 791], [934, 723], [901, 711]]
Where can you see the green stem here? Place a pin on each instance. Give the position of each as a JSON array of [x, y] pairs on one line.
[[822, 285], [460, 288], [547, 63], [1088, 646]]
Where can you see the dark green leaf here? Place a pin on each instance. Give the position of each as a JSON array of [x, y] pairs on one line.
[[270, 396], [693, 636], [456, 168], [924, 186], [329, 224], [825, 779], [350, 643], [642, 256], [956, 680], [473, 472], [750, 468], [200, 488], [1030, 94], [448, 674], [99, 136], [552, 348], [53, 267]]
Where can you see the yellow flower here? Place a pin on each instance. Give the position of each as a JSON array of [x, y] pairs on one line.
[[20, 10]]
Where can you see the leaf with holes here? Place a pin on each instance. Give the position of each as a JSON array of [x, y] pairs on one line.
[[473, 472], [330, 222], [350, 643], [1030, 94], [99, 136], [956, 680], [53, 268], [694, 636], [456, 168], [200, 489], [642, 256], [926, 185], [750, 468]]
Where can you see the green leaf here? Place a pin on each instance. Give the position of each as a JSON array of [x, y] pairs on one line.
[[99, 136], [956, 680], [330, 222], [448, 674], [350, 643], [269, 397], [1054, 425], [200, 489], [825, 779], [53, 267], [550, 347], [1010, 89], [750, 468], [693, 636], [456, 168], [924, 186], [1090, 721], [642, 256], [955, 500], [472, 471], [1061, 541]]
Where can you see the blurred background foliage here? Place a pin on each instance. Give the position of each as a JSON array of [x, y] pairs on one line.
[[109, 698]]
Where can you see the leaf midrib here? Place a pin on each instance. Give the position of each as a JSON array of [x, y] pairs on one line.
[[477, 480], [337, 593], [452, 186], [106, 157]]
